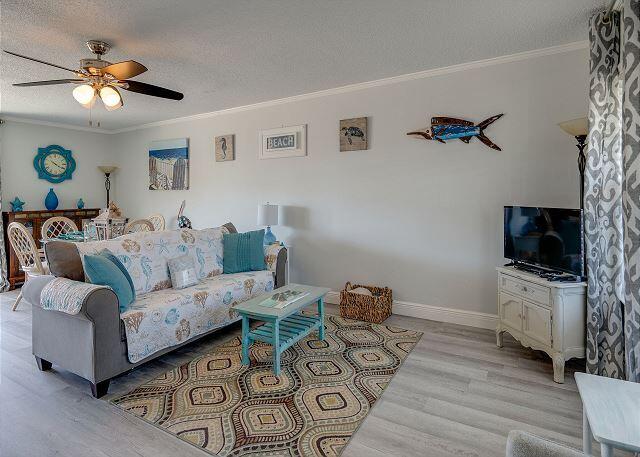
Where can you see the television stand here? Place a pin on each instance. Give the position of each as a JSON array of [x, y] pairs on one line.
[[545, 315]]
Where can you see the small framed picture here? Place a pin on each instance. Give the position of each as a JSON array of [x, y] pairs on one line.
[[283, 142], [353, 134], [225, 148]]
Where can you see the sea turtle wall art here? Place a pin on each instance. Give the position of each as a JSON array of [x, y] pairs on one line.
[[353, 134], [450, 128]]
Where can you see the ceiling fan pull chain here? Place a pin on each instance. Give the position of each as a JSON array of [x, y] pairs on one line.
[[91, 119]]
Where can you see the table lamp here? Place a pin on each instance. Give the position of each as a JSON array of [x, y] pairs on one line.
[[578, 128], [268, 216], [107, 170]]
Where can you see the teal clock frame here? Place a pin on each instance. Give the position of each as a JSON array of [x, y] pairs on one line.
[[38, 163]]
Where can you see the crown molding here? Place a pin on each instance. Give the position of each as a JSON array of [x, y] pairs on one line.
[[375, 83], [59, 125], [536, 53]]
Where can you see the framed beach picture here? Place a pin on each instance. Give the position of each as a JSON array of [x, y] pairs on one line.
[[225, 148], [169, 164], [283, 142]]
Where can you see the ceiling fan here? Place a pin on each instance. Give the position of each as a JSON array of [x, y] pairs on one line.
[[98, 78]]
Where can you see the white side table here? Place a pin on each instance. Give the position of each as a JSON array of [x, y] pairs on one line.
[[610, 413]]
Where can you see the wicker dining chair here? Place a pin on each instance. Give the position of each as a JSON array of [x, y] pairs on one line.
[[27, 253], [138, 225], [56, 226], [158, 222]]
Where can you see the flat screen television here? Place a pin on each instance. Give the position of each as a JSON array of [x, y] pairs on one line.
[[550, 238]]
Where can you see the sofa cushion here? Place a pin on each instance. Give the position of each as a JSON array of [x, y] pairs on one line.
[[100, 270], [64, 260], [230, 227], [145, 254], [244, 251], [168, 317]]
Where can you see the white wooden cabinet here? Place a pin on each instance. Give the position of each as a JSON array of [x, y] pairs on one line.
[[543, 315]]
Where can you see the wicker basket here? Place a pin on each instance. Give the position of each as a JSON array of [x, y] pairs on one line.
[[370, 308]]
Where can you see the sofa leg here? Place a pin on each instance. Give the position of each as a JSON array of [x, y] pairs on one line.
[[43, 364], [100, 389]]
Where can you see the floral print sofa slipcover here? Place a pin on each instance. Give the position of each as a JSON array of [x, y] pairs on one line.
[[161, 316]]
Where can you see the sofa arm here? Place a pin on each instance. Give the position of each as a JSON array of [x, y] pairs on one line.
[[32, 289], [275, 256], [523, 444], [84, 342]]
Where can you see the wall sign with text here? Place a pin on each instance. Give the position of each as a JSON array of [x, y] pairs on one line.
[[283, 142]]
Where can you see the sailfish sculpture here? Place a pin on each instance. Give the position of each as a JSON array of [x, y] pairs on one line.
[[450, 128]]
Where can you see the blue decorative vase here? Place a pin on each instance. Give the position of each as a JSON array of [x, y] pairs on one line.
[[51, 201], [80, 203], [269, 237]]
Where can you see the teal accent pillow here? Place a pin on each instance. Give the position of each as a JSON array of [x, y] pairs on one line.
[[243, 252], [111, 256], [102, 271]]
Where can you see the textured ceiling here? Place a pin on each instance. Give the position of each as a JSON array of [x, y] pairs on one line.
[[223, 54]]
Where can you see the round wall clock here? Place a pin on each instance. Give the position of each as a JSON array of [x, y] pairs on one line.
[[54, 163]]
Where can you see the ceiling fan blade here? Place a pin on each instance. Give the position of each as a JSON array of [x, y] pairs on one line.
[[41, 61], [49, 83], [149, 89], [124, 70]]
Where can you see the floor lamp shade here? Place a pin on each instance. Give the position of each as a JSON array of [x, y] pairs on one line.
[[268, 216]]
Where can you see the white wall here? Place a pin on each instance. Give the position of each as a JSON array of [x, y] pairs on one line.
[[421, 217], [20, 143]]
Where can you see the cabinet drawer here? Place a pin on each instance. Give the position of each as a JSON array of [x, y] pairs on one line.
[[536, 322], [527, 290], [511, 311]]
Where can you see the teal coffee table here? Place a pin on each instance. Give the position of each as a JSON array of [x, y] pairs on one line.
[[282, 326]]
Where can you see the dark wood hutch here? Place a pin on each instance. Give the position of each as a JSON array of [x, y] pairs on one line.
[[33, 220]]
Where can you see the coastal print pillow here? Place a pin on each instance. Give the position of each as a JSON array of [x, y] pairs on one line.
[[183, 272]]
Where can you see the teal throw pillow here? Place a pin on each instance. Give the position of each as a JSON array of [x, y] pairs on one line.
[[111, 256], [243, 252], [102, 271]]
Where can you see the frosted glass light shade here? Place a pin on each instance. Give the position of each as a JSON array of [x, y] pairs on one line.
[[267, 215], [111, 98], [575, 127], [85, 95]]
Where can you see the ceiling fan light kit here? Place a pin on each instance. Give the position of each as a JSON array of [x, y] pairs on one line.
[[85, 95], [110, 97], [100, 78]]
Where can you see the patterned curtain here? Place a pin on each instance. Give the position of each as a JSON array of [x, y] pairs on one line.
[[612, 197], [631, 189]]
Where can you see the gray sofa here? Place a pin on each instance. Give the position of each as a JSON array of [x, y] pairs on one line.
[[91, 343]]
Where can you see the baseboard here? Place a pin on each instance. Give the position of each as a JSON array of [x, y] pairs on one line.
[[435, 313]]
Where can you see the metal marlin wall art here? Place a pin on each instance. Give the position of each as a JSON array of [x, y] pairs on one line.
[[450, 128]]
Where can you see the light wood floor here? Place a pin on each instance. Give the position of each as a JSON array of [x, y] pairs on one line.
[[456, 394]]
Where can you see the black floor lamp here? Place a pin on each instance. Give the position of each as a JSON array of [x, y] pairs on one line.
[[578, 128], [107, 170]]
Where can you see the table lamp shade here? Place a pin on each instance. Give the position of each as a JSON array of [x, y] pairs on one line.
[[267, 215]]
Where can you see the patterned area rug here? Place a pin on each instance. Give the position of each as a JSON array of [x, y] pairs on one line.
[[324, 392]]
